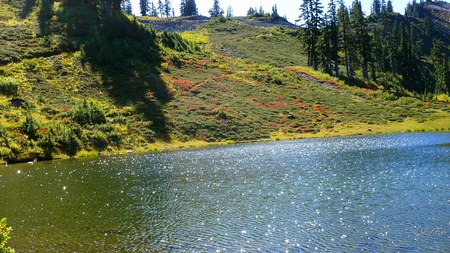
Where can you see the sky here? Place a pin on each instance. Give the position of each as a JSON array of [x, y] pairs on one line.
[[290, 8]]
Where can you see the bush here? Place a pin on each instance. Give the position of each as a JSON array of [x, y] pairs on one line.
[[4, 236], [31, 127], [88, 113], [99, 140], [70, 143], [48, 145], [8, 86]]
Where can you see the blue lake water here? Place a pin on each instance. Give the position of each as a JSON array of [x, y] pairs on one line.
[[378, 193]]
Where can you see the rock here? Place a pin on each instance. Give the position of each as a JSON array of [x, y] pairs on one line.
[[290, 116]]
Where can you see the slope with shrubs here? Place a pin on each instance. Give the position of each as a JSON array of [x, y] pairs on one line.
[[100, 89]]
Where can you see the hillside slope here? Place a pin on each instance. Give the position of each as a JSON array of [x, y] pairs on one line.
[[135, 90]]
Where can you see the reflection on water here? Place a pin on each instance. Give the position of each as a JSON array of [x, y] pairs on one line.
[[383, 193]]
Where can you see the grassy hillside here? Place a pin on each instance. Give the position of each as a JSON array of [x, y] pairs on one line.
[[132, 89]]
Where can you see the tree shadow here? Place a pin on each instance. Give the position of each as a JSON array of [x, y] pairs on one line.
[[27, 8], [128, 57]]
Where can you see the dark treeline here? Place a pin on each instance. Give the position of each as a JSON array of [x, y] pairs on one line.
[[407, 47]]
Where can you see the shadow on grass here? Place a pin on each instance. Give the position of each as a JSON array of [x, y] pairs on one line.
[[128, 57], [27, 8]]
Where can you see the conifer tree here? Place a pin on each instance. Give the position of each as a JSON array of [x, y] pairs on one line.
[[229, 12], [143, 5], [167, 7], [334, 36], [344, 33], [376, 7], [311, 14], [127, 7], [389, 7], [160, 8], [153, 10], [362, 38], [216, 11]]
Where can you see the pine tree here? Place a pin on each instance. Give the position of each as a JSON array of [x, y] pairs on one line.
[[188, 8], [334, 36], [389, 7], [275, 11], [127, 7], [441, 69], [229, 12], [311, 13], [344, 32], [167, 7], [153, 10], [143, 5], [216, 11], [362, 38], [161, 8], [376, 7]]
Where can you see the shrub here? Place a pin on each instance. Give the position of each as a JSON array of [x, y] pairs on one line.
[[88, 113], [31, 127], [99, 140], [4, 236], [8, 86], [48, 145], [70, 143]]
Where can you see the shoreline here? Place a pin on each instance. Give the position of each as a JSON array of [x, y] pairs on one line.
[[341, 130]]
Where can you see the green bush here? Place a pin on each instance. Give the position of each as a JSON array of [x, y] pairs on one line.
[[48, 145], [4, 236], [31, 127], [8, 86], [69, 142], [88, 113], [99, 140]]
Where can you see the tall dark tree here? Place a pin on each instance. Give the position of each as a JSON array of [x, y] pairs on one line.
[[345, 35], [167, 7], [311, 14], [333, 33], [389, 7], [441, 69], [188, 8], [216, 11], [361, 37], [376, 7], [143, 5], [275, 11]]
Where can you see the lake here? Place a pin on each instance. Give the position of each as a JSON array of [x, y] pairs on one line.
[[377, 193]]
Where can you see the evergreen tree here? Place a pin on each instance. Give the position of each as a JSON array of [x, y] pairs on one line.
[[383, 5], [216, 11], [167, 7], [188, 8], [127, 7], [362, 38], [275, 11], [389, 7], [229, 12], [161, 8], [441, 68], [153, 10], [376, 7], [143, 5], [344, 33], [311, 13], [333, 32]]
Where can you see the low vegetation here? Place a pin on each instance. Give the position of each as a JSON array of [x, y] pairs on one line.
[[4, 237]]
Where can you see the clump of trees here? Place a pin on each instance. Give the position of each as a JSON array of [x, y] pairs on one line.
[[216, 11], [259, 12], [384, 42]]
